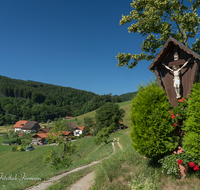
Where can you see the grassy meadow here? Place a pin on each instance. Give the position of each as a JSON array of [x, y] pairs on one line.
[[16, 163], [124, 105]]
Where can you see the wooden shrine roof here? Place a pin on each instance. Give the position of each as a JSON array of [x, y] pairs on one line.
[[171, 42]]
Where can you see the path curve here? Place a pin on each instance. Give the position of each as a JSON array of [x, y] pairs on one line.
[[88, 181], [43, 185]]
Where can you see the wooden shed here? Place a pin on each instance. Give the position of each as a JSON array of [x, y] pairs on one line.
[[176, 54]]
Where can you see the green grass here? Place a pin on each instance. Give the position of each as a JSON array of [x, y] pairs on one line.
[[116, 172], [124, 105], [70, 179], [31, 163]]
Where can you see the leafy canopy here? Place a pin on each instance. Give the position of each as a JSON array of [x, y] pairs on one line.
[[107, 119], [59, 157], [109, 115], [156, 21]]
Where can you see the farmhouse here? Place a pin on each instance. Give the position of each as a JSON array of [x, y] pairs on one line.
[[40, 137], [26, 126], [122, 126], [78, 131], [68, 117]]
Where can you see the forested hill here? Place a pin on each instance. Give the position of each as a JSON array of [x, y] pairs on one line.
[[37, 101], [128, 96]]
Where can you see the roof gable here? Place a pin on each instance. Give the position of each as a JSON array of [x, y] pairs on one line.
[[171, 42], [72, 125], [81, 128], [44, 130], [30, 124], [41, 135], [20, 124]]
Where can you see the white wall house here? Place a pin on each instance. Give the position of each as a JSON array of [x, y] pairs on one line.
[[26, 126], [78, 131]]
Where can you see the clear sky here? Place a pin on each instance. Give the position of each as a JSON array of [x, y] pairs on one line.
[[71, 43]]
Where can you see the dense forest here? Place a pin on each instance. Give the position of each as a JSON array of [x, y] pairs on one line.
[[30, 100]]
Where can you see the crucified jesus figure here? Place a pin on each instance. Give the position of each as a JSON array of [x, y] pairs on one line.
[[176, 77]]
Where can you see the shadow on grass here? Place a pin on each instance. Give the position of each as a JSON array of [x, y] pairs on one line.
[[110, 141], [153, 162]]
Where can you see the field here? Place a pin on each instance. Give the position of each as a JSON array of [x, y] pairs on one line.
[[124, 105], [114, 173]]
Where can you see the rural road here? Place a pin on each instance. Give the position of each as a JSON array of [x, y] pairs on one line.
[[43, 185], [84, 183]]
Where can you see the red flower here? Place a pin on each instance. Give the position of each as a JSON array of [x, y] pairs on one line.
[[181, 100], [172, 116], [180, 161], [196, 168], [175, 125], [192, 164]]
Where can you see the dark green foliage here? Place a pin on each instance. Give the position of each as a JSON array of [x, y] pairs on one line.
[[192, 122], [128, 96], [88, 121], [5, 136], [107, 118], [152, 129], [10, 141], [86, 130], [109, 115], [103, 135], [191, 143], [35, 101], [191, 139]]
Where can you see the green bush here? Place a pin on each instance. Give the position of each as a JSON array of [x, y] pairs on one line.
[[191, 142], [191, 139], [192, 122], [9, 141], [5, 136], [151, 123], [22, 147]]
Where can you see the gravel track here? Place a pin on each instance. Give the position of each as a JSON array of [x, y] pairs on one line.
[[43, 185]]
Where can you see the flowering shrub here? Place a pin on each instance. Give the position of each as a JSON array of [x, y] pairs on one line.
[[191, 164], [196, 168], [169, 164], [180, 161], [178, 114]]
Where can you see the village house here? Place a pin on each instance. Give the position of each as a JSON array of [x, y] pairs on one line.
[[122, 126], [40, 137], [26, 126], [78, 131], [68, 117]]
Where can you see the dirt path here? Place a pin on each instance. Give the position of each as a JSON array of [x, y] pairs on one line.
[[84, 183], [87, 181], [120, 146], [117, 140], [43, 185]]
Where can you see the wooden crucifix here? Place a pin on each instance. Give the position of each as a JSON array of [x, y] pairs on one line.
[[176, 68], [176, 79]]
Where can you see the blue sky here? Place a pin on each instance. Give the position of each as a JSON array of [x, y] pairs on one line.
[[70, 43]]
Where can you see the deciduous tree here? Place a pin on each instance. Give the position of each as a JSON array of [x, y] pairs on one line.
[[107, 118], [61, 156], [156, 20], [109, 115]]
